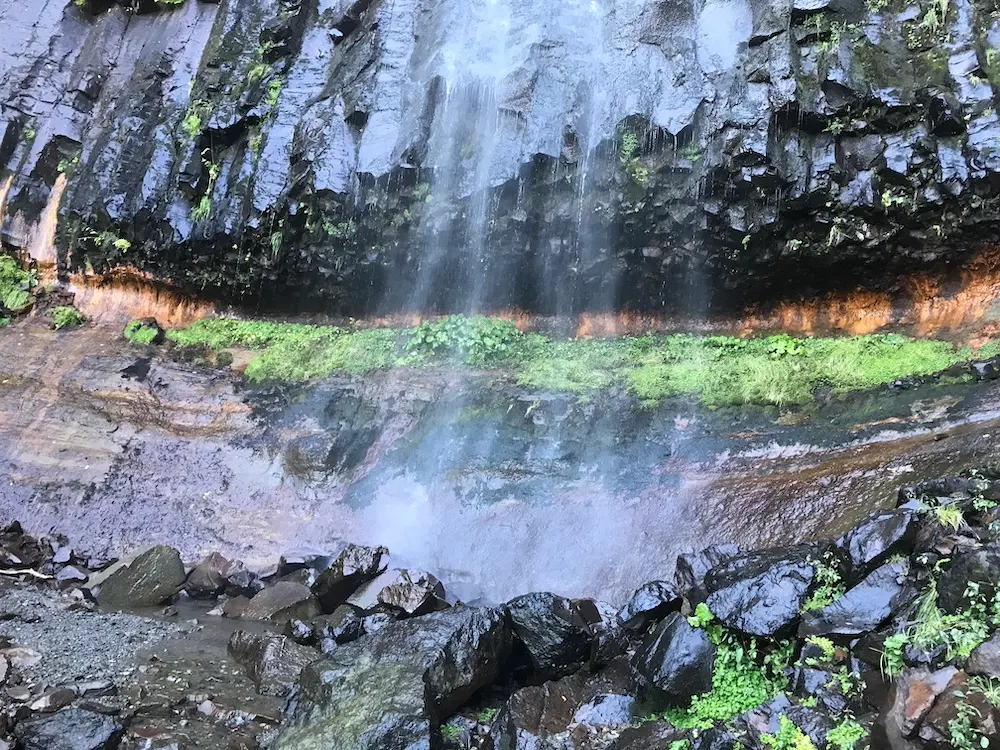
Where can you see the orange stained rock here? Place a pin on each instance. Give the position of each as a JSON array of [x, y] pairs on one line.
[[127, 293]]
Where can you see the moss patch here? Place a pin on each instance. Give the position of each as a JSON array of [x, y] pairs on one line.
[[716, 370]]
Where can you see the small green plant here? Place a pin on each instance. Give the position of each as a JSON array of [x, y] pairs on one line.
[[203, 210], [451, 731], [680, 745], [258, 72], [823, 644], [788, 737], [846, 735], [475, 340], [66, 317], [68, 164], [341, 230], [964, 734], [702, 616], [275, 242], [892, 661], [15, 285], [989, 687], [273, 93], [487, 715], [193, 121], [949, 516], [137, 332], [829, 585]]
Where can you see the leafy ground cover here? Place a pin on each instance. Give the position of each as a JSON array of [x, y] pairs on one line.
[[717, 370]]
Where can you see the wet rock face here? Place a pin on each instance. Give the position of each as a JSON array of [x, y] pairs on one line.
[[354, 566], [866, 606], [776, 146], [554, 634], [273, 662]]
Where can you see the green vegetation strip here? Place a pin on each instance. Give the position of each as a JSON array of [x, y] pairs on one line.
[[717, 370]]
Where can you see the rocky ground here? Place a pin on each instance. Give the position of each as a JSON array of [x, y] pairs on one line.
[[884, 638]]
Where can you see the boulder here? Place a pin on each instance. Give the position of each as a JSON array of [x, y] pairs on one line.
[[653, 735], [936, 728], [343, 625], [150, 579], [677, 659], [19, 550], [242, 582], [865, 607], [692, 567], [911, 697], [981, 566], [69, 729], [208, 578], [761, 593], [985, 660], [413, 593], [389, 689], [607, 710], [555, 635], [272, 662], [650, 602], [353, 567], [877, 538], [282, 601], [766, 719]]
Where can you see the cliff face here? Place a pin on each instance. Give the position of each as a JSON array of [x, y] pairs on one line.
[[379, 155]]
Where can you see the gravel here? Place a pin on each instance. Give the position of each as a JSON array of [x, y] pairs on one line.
[[74, 645]]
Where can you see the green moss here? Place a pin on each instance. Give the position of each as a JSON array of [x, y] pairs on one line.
[[66, 317], [715, 370], [138, 332], [788, 737], [15, 285], [317, 353]]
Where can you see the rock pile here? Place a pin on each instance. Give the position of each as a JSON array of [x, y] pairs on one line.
[[888, 637]]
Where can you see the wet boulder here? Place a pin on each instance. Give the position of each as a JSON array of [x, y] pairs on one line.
[[865, 607], [677, 659], [391, 688], [353, 567], [985, 660], [606, 710], [343, 625], [650, 602], [150, 579], [653, 735], [766, 719], [208, 578], [910, 699], [69, 729], [555, 635], [413, 593], [272, 662], [761, 593], [692, 567], [937, 728], [981, 566], [18, 549], [877, 538], [240, 581], [284, 600]]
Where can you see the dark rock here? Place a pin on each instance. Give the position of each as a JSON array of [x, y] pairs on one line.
[[911, 697], [677, 659], [866, 606], [390, 688], [71, 575], [761, 593], [607, 711], [692, 567], [150, 579], [19, 550], [303, 633], [208, 578], [376, 622], [242, 582], [653, 735], [980, 566], [650, 602], [272, 662], [413, 593], [235, 607], [877, 538], [555, 635], [808, 682], [766, 719], [985, 660], [987, 370], [344, 625], [282, 601], [53, 700], [936, 728], [69, 729], [353, 567]]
